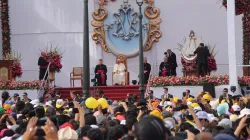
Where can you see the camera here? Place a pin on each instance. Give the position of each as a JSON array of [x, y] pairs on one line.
[[94, 81], [233, 88]]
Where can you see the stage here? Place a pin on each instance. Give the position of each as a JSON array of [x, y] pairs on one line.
[[120, 92]]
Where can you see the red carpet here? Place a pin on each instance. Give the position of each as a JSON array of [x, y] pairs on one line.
[[112, 92]]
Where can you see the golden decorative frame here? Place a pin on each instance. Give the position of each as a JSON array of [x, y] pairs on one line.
[[151, 12]]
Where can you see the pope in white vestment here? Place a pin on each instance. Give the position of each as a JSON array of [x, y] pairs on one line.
[[119, 73]]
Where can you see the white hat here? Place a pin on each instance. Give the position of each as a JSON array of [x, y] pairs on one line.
[[236, 108], [244, 112], [123, 122], [197, 108], [167, 103], [202, 115], [67, 133], [48, 104], [226, 123], [59, 101], [169, 125], [189, 103], [233, 117], [35, 102]]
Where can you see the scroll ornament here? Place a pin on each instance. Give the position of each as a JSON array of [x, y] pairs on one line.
[[151, 12]]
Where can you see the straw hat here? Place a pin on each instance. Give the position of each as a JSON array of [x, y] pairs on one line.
[[67, 134]]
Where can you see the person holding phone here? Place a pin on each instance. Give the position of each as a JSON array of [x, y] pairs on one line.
[[166, 94]]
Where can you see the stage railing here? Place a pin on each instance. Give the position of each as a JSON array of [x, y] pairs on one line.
[[42, 85]]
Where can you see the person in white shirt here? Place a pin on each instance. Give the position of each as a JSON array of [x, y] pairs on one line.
[[119, 73]]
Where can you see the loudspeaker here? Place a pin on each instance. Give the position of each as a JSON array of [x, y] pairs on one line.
[[209, 87]]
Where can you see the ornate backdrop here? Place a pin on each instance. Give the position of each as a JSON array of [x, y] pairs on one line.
[[125, 27]]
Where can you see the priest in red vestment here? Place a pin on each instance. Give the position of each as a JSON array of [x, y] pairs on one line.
[[101, 73]]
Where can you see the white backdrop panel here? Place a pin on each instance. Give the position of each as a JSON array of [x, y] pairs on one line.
[[36, 23]]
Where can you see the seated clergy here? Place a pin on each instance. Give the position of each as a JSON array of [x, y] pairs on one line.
[[147, 69], [164, 69], [119, 73], [101, 73]]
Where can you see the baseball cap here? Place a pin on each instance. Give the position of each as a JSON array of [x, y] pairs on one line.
[[25, 94], [16, 95], [226, 123], [244, 112], [207, 97], [197, 108], [202, 115], [193, 105], [235, 108]]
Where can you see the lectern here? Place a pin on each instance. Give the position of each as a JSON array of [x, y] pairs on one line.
[[6, 69]]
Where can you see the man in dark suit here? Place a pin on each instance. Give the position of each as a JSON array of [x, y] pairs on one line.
[[172, 62], [101, 73], [43, 65], [166, 94], [147, 69], [201, 60], [187, 94]]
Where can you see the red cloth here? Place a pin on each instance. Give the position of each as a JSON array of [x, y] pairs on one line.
[[164, 73], [43, 67], [102, 75], [67, 124], [120, 117]]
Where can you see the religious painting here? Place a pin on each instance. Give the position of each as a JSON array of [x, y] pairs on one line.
[[116, 26]]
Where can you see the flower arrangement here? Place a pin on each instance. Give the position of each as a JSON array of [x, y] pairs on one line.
[[240, 6], [53, 55], [245, 80], [157, 81], [16, 68], [20, 85], [5, 27]]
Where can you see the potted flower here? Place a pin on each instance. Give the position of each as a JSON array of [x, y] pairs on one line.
[[52, 55], [16, 68]]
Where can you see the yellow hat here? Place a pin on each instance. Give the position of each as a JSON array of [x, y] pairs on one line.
[[66, 110], [58, 106], [193, 105], [207, 97], [175, 100], [190, 99], [156, 113]]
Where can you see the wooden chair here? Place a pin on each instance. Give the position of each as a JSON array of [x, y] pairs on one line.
[[123, 59], [76, 74]]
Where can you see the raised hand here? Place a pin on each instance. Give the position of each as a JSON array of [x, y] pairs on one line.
[[50, 130], [31, 129]]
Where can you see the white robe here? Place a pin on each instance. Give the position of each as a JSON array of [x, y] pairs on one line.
[[119, 75]]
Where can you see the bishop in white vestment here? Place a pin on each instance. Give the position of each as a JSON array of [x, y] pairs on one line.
[[119, 73]]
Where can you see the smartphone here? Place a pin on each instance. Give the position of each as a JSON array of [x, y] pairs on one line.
[[41, 122], [182, 135], [75, 110]]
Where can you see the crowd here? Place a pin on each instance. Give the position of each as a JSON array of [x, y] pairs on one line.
[[193, 118]]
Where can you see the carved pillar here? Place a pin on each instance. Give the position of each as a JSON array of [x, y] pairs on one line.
[[246, 41]]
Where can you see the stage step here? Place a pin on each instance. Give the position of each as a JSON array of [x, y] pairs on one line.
[[112, 92]]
